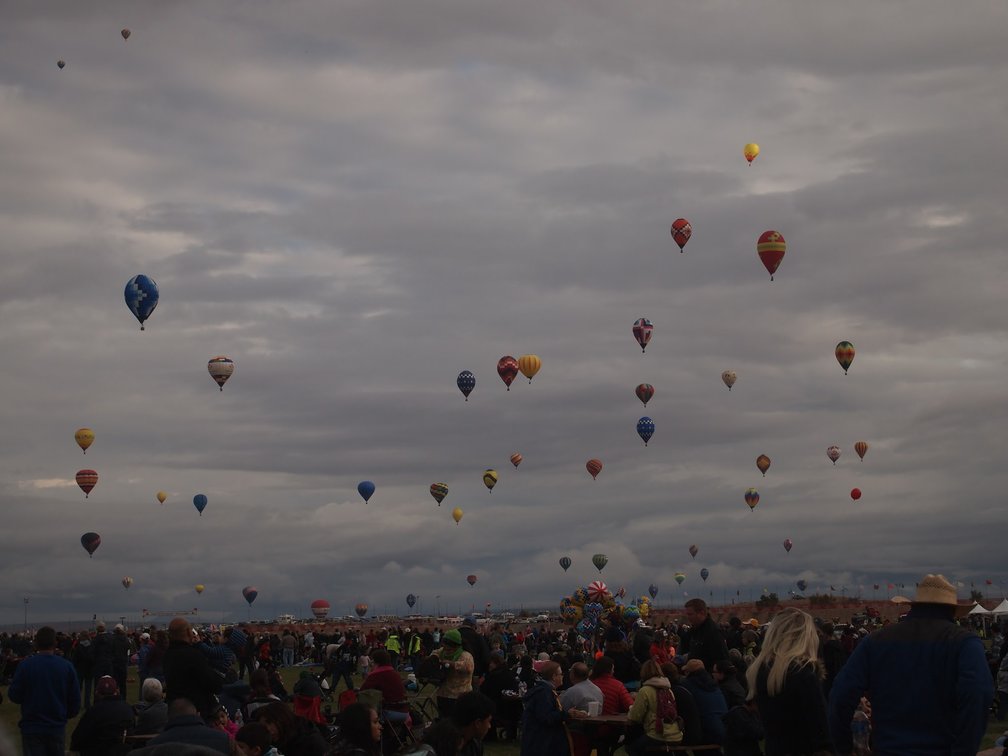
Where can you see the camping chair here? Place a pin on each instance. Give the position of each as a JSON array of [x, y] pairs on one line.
[[396, 733], [423, 706]]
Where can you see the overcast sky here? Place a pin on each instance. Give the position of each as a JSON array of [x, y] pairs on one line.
[[355, 201]]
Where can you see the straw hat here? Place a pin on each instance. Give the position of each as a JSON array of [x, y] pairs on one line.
[[935, 589]]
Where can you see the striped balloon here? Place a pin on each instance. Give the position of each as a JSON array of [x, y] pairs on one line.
[[529, 364], [845, 354], [771, 248]]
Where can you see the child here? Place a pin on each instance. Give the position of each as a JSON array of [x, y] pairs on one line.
[[221, 721]]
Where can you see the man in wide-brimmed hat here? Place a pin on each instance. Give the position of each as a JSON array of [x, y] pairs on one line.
[[927, 679]]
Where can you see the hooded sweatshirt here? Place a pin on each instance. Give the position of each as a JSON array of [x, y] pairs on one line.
[[645, 709]]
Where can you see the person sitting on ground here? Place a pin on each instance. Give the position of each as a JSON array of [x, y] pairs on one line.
[[709, 700], [474, 716], [360, 732], [384, 677], [253, 739], [152, 711], [291, 735], [185, 726], [655, 710], [102, 729]]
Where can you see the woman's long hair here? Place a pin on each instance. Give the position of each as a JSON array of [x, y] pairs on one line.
[[355, 726], [791, 642]]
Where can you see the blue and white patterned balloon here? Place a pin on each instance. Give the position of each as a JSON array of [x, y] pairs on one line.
[[141, 297]]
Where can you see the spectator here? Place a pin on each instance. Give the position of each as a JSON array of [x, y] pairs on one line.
[[186, 726], [102, 729], [152, 712]]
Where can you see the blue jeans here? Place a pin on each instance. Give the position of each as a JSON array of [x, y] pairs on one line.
[[288, 657], [51, 744]]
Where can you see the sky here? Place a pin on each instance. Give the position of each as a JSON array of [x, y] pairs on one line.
[[357, 200]]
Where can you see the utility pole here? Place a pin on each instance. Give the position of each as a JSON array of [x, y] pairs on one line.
[[26, 614]]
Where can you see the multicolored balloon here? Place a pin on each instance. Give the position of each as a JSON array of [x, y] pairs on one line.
[[249, 593], [771, 248], [529, 364], [507, 369], [729, 378], [861, 447], [565, 562], [366, 489], [141, 297], [490, 479], [457, 515], [199, 501], [600, 561], [466, 382], [642, 329], [833, 452], [763, 463], [704, 574], [471, 579], [84, 438], [681, 232], [90, 542], [855, 493], [645, 391], [597, 592], [693, 550], [361, 609], [220, 368], [788, 543], [127, 582], [645, 429], [319, 608], [439, 491], [679, 577], [750, 151], [87, 480], [594, 467], [844, 354], [516, 459], [752, 498]]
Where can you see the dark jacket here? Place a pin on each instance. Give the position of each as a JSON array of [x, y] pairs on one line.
[[188, 674], [707, 643], [626, 668], [943, 664], [476, 645], [103, 653], [743, 732], [710, 703], [150, 719], [795, 718], [191, 730], [733, 692], [100, 731], [687, 707], [543, 733], [306, 740]]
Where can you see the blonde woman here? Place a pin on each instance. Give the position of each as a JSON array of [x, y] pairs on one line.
[[786, 682]]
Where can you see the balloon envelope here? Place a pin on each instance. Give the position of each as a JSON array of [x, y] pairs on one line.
[[729, 378], [833, 452], [642, 329], [90, 542], [249, 593], [763, 463], [565, 562], [439, 491], [752, 498], [199, 501], [861, 447], [855, 493], [410, 600], [127, 582], [457, 515], [693, 550], [221, 368], [466, 382], [61, 64], [320, 608], [600, 561], [507, 369], [490, 478], [681, 232], [705, 573], [594, 467], [771, 248], [644, 392], [680, 577], [199, 587], [141, 297], [125, 33], [653, 590], [84, 438], [471, 579], [529, 364], [366, 489], [516, 459], [750, 151], [844, 354], [361, 609], [788, 543], [87, 480], [645, 429], [161, 496], [802, 585]]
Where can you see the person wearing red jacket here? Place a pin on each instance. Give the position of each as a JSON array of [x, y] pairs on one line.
[[616, 699], [385, 678]]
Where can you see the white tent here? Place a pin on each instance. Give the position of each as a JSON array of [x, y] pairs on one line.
[[1001, 608], [978, 609]]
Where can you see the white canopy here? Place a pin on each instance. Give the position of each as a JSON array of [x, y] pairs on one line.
[[1001, 608], [978, 609]]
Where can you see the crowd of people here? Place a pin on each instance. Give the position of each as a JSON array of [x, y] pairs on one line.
[[923, 685]]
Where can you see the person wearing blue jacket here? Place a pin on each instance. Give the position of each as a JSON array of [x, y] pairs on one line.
[[927, 680], [543, 732]]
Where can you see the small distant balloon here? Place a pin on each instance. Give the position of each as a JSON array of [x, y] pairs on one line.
[[200, 501], [319, 608], [439, 491], [802, 585], [845, 354], [788, 543], [127, 582], [490, 479], [594, 467], [250, 592], [466, 382], [61, 64], [87, 480], [600, 561], [855, 493], [752, 498], [681, 232], [125, 33], [704, 574], [729, 378], [410, 600], [750, 151], [507, 369], [644, 391], [90, 542], [565, 562], [366, 489], [679, 577], [361, 610], [861, 447], [457, 515], [141, 297], [220, 368], [642, 329], [529, 364], [763, 463], [771, 248], [694, 550], [645, 429], [653, 590], [833, 452], [199, 587], [471, 579], [84, 438], [161, 496], [516, 459]]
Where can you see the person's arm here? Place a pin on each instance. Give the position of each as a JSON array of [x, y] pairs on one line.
[[625, 699], [850, 684], [639, 708], [544, 709], [974, 691]]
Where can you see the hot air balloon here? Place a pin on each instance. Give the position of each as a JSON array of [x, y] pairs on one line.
[[320, 608], [645, 429], [693, 550], [750, 151], [802, 585], [161, 496], [361, 610], [600, 561], [565, 562], [410, 600], [644, 392], [763, 463], [125, 33], [679, 577], [490, 479], [681, 232], [507, 369], [84, 438], [250, 592], [87, 480], [127, 582], [199, 501], [516, 459], [771, 248], [642, 329], [90, 542], [653, 590], [855, 493], [466, 382], [366, 489], [833, 452], [220, 369], [141, 297], [704, 574], [457, 515], [597, 592], [788, 543], [199, 587], [529, 364], [752, 497], [729, 377], [861, 447], [471, 579], [438, 491], [845, 354], [61, 64], [594, 467]]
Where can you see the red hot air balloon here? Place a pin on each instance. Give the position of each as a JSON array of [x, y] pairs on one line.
[[361, 610], [87, 480], [90, 542], [855, 493], [681, 232], [787, 545], [770, 248], [645, 392], [594, 467], [320, 608], [471, 579], [507, 369], [642, 329]]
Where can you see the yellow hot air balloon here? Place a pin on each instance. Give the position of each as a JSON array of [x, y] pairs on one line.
[[490, 479], [84, 438], [457, 515], [529, 364], [161, 496], [200, 588], [750, 151]]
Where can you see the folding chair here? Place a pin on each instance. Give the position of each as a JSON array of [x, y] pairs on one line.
[[423, 706]]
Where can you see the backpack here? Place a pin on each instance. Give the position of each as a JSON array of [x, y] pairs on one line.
[[429, 670], [666, 711]]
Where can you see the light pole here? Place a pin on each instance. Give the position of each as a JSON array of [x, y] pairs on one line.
[[437, 608], [26, 614]]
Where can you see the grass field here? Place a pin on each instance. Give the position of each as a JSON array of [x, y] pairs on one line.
[[10, 713]]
